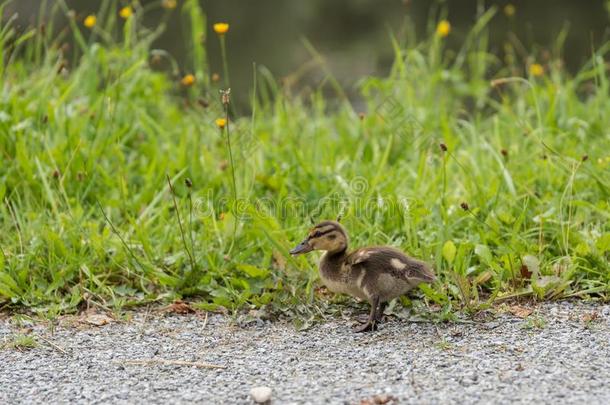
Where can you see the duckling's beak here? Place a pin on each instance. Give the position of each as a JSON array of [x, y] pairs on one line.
[[303, 247]]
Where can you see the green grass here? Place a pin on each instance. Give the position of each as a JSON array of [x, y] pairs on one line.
[[88, 138], [18, 342]]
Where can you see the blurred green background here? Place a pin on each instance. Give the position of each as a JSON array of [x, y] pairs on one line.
[[353, 36]]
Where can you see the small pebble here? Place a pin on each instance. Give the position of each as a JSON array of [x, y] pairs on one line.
[[261, 395]]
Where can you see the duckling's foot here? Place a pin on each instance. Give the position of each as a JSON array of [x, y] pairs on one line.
[[371, 323], [367, 327]]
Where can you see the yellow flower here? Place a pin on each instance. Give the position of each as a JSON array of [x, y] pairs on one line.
[[168, 4], [509, 10], [188, 80], [126, 12], [90, 21], [221, 28], [221, 122], [443, 28], [536, 69]]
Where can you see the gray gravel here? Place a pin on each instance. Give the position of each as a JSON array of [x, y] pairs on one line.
[[559, 354]]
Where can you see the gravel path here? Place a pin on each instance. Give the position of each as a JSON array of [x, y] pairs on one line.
[[559, 354]]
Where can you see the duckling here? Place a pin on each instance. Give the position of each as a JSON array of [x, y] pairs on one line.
[[375, 274]]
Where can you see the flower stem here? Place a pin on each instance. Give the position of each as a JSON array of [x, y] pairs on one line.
[[225, 65], [186, 249], [226, 105], [230, 153]]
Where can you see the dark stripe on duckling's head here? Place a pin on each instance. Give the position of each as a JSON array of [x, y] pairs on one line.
[[326, 227]]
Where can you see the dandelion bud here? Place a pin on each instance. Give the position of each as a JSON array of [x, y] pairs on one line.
[[188, 182], [221, 122], [443, 28], [90, 21], [585, 158], [465, 206], [221, 28], [443, 147], [126, 12], [536, 69], [188, 80]]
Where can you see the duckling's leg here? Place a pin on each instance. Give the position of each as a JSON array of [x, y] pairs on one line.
[[370, 325], [379, 315]]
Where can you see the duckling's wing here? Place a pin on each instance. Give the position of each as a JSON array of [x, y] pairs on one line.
[[361, 255], [390, 260]]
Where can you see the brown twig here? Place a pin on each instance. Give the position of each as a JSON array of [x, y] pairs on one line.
[[53, 345], [143, 325], [205, 321]]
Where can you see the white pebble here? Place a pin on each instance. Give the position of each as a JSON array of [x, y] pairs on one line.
[[260, 395]]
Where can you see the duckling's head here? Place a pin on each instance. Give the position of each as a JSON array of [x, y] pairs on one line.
[[327, 235]]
